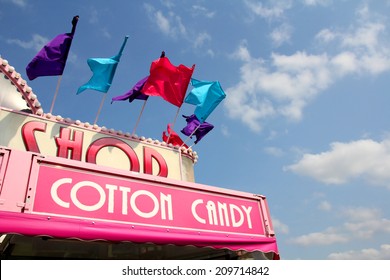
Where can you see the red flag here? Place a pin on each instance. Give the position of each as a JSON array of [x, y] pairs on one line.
[[168, 81], [172, 137]]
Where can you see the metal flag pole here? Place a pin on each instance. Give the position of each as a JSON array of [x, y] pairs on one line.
[[190, 136], [75, 20], [139, 117], [100, 108], [117, 58], [56, 93], [181, 164], [173, 124]]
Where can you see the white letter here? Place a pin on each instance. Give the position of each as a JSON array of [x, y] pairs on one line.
[[166, 201], [111, 189], [212, 213], [97, 206], [54, 191], [223, 215], [193, 210], [125, 191], [234, 222], [139, 212], [248, 213]]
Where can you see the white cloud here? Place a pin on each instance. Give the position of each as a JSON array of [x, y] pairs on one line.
[[363, 39], [361, 214], [262, 93], [361, 223], [274, 9], [202, 11], [367, 229], [106, 33], [36, 43], [93, 15], [383, 253], [364, 222], [162, 22], [345, 63], [366, 37], [320, 238], [242, 100], [279, 227], [210, 53], [317, 2], [325, 206], [365, 159], [274, 151], [281, 35], [285, 84], [325, 35], [201, 39], [169, 24], [19, 3], [225, 130], [363, 45], [242, 53], [168, 3]]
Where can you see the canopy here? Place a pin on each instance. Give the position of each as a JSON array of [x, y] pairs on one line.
[[87, 230]]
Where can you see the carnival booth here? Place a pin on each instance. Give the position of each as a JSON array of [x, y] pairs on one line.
[[72, 190]]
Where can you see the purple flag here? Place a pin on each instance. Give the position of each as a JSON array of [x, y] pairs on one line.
[[51, 59], [134, 93], [195, 127]]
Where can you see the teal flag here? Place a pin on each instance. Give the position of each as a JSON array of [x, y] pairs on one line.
[[206, 95], [103, 70]]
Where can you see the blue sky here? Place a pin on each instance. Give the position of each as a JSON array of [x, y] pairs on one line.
[[305, 121]]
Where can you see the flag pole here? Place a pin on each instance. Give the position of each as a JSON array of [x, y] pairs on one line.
[[56, 93], [173, 124], [139, 117], [75, 20], [100, 108], [181, 164], [190, 136]]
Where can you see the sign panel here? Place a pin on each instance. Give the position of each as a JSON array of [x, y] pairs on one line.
[[3, 162], [70, 192], [86, 143]]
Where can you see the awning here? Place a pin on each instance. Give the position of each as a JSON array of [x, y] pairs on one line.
[[87, 230]]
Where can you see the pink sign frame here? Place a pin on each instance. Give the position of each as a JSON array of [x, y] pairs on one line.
[[81, 193], [68, 199]]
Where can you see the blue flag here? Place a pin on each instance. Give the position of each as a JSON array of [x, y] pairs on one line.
[[103, 70], [206, 96]]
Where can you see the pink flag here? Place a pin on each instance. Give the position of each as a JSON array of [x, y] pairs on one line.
[[168, 81], [172, 137]]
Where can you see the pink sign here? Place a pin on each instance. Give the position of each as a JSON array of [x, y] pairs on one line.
[[69, 192]]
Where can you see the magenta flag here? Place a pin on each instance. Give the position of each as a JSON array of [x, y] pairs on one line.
[[172, 137], [51, 59], [168, 81]]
